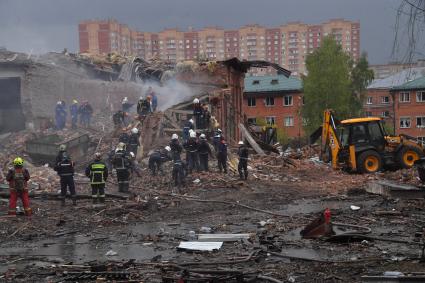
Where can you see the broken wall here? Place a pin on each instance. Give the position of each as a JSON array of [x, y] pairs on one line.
[[44, 85]]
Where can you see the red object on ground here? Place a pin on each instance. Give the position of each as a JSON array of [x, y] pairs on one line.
[[327, 215]]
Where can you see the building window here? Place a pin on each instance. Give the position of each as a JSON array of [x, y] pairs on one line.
[[404, 122], [420, 96], [368, 114], [288, 121], [385, 114], [269, 101], [369, 100], [420, 122], [404, 97], [270, 121], [256, 82], [252, 121], [385, 99], [252, 101], [274, 82], [287, 100]]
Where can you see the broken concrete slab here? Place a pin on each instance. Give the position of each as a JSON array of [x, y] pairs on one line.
[[200, 246], [222, 237], [393, 190]]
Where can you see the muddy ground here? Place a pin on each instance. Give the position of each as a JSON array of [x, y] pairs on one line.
[[71, 244]]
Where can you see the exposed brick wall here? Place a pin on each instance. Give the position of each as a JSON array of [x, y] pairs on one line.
[[279, 111]]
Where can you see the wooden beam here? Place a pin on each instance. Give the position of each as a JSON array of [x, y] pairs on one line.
[[250, 139]]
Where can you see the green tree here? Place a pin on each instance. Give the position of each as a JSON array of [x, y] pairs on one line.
[[361, 77], [327, 85]]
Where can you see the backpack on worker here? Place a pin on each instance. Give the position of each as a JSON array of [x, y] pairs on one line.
[[19, 180]]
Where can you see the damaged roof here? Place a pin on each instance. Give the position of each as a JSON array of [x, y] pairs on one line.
[[244, 66], [276, 83], [398, 79], [412, 85]]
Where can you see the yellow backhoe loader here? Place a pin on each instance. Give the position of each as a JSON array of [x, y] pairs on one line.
[[362, 145]]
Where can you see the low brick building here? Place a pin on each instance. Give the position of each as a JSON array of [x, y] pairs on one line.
[[379, 101], [409, 108], [276, 99]]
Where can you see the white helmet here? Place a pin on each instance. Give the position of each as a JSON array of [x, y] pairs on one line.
[[219, 131], [120, 146], [240, 142], [167, 148], [125, 99], [59, 103], [196, 101], [191, 121], [193, 134], [132, 154], [202, 136], [141, 98], [134, 130], [174, 137]]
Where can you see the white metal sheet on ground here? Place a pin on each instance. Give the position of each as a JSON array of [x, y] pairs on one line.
[[222, 237], [200, 246]]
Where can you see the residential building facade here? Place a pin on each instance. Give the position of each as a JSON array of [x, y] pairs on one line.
[[287, 45], [277, 100], [379, 101], [409, 107]]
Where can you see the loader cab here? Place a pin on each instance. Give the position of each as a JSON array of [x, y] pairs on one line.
[[363, 133]]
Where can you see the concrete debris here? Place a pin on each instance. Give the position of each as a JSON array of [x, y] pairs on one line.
[[200, 246]]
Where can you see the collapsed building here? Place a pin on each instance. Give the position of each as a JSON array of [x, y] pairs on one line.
[[30, 86]]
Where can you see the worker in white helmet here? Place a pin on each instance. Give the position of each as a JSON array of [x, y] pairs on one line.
[[133, 141], [158, 157], [243, 160], [178, 166], [188, 127], [191, 147], [198, 112], [204, 151], [122, 164]]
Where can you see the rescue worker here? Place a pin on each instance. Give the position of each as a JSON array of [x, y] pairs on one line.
[[18, 178], [133, 141], [186, 130], [152, 94], [216, 139], [204, 151], [60, 115], [206, 116], [124, 138], [222, 155], [134, 166], [61, 153], [149, 100], [86, 111], [119, 119], [178, 167], [143, 107], [98, 174], [125, 105], [65, 170], [73, 110], [243, 160], [197, 113], [191, 147], [122, 165], [158, 157]]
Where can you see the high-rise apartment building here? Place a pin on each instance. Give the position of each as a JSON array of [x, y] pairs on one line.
[[287, 45]]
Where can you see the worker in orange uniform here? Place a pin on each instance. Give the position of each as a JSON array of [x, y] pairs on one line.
[[18, 178]]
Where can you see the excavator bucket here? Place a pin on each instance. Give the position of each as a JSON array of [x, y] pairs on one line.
[[316, 135]]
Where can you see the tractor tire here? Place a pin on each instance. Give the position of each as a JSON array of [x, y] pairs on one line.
[[369, 162], [407, 156]]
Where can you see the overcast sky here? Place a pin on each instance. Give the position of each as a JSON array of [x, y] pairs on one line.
[[51, 25]]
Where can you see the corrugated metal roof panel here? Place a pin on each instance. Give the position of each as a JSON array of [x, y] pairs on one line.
[[412, 85]]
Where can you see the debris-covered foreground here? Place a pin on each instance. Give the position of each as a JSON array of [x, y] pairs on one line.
[[136, 239]]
